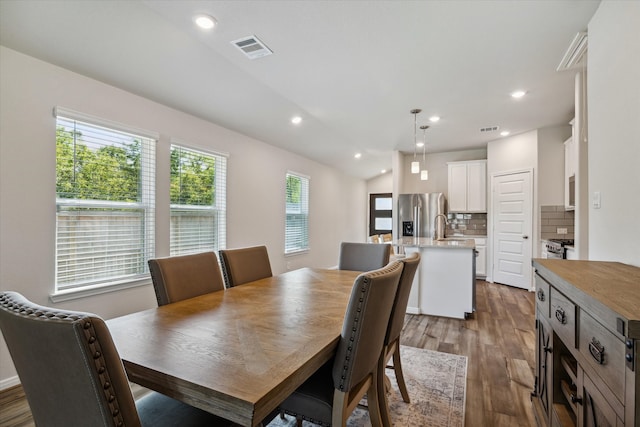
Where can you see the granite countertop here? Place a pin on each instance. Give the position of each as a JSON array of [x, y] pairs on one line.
[[449, 242]]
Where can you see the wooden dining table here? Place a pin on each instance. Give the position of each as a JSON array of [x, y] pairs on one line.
[[238, 353]]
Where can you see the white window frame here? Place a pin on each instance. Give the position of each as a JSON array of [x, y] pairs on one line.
[[218, 209], [290, 246], [109, 283]]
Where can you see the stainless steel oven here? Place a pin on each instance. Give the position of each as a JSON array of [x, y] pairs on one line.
[[556, 248]]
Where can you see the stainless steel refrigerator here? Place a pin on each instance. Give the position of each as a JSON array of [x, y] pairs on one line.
[[418, 215]]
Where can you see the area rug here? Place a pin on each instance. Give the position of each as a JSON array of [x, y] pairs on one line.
[[436, 383]]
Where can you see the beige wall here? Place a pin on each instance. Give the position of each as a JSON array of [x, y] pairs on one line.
[[30, 89], [551, 164], [438, 181], [613, 91]]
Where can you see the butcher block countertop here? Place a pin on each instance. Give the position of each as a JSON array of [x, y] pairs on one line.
[[612, 285]]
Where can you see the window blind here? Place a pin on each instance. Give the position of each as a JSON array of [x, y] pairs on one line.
[[297, 213], [198, 201], [105, 198]]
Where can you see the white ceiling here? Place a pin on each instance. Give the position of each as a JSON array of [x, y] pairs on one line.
[[352, 69]]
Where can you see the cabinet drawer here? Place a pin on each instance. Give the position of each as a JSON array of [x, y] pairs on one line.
[[604, 352], [542, 296], [563, 317]]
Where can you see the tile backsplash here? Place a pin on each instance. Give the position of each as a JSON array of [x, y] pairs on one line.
[[473, 224], [554, 217]]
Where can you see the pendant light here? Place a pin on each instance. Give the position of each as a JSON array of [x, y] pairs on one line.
[[415, 164], [424, 173]]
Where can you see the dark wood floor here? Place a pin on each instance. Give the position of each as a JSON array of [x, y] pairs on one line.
[[499, 342]]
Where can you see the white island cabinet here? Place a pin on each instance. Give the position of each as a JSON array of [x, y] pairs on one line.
[[444, 284]]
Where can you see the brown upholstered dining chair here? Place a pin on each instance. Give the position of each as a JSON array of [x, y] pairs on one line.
[[72, 374], [392, 338], [331, 394], [363, 256], [180, 277], [244, 265]]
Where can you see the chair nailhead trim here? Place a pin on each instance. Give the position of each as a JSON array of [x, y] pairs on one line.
[[103, 374], [354, 330]]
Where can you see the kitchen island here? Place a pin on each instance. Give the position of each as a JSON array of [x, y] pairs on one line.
[[444, 284]]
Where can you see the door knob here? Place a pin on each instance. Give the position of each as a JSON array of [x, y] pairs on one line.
[[525, 237]]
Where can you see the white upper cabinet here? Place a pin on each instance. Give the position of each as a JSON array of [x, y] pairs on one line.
[[468, 186]]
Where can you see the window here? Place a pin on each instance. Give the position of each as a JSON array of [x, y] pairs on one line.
[[296, 236], [198, 201], [380, 209], [105, 199]]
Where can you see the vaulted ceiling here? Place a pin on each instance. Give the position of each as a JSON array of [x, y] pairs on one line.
[[352, 70]]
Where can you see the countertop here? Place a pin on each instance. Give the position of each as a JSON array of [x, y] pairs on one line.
[[613, 284], [449, 243]]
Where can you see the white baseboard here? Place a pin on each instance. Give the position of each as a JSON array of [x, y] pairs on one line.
[[413, 310], [9, 382]]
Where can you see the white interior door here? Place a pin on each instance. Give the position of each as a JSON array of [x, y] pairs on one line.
[[512, 219]]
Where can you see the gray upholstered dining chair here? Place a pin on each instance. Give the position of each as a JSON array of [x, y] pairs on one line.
[[180, 277], [244, 265], [392, 338], [331, 394], [72, 374], [363, 256]]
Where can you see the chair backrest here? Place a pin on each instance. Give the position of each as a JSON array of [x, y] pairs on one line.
[[402, 297], [245, 265], [180, 277], [363, 256], [68, 365], [365, 325]]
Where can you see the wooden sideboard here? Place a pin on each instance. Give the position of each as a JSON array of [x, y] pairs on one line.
[[588, 339]]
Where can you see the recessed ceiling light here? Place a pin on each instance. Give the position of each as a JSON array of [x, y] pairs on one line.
[[358, 155], [434, 119], [383, 171], [419, 144], [518, 94], [504, 133], [205, 21], [296, 120]]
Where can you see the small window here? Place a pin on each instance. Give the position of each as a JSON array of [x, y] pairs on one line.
[[105, 198], [198, 201], [380, 213], [296, 236]]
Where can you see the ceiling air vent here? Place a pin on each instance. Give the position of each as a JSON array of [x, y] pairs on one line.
[[490, 129], [252, 47], [575, 53]]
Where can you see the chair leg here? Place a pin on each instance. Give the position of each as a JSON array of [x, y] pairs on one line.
[[397, 367], [339, 411], [377, 398], [383, 404]]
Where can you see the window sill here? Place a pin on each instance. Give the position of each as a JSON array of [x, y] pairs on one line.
[[103, 288], [297, 252]]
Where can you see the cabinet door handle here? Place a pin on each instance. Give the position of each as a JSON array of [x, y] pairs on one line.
[[562, 318], [575, 399], [597, 350], [540, 294]]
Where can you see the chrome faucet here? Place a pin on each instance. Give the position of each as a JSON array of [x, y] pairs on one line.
[[439, 232]]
